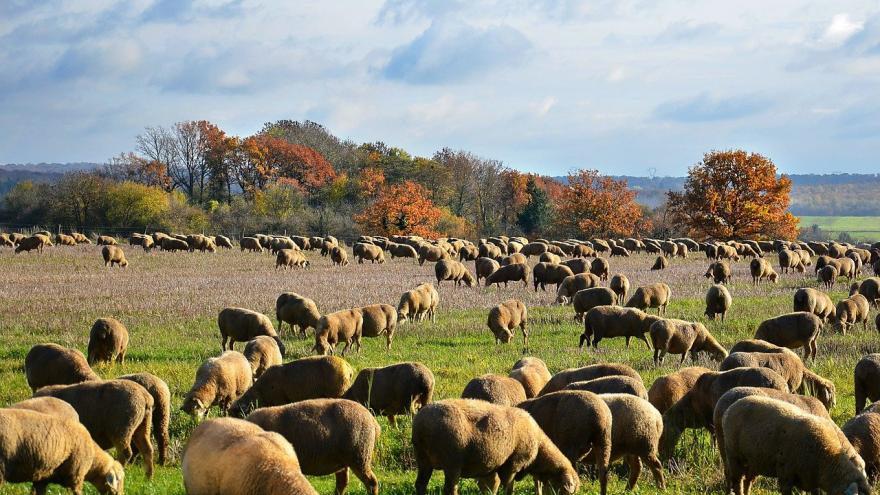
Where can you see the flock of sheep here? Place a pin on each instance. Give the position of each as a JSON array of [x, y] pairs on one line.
[[314, 415]]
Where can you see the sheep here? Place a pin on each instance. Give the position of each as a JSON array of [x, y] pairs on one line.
[[288, 258], [31, 243], [532, 373], [866, 379], [852, 311], [400, 388], [475, 439], [64, 240], [655, 295], [52, 364], [828, 276], [108, 341], [762, 269], [313, 377], [401, 251], [560, 380], [548, 273], [613, 321], [48, 405], [505, 317], [497, 389], [242, 325], [620, 285], [229, 456], [455, 271], [370, 252], [636, 429], [571, 285], [418, 304], [379, 319], [549, 257], [600, 268], [329, 436], [580, 424], [483, 267], [113, 255], [611, 385], [670, 336], [262, 353], [719, 272], [43, 448], [161, 417], [510, 273], [790, 260], [846, 268], [297, 311], [727, 252], [467, 253], [171, 244], [105, 240], [117, 413], [340, 326], [870, 288], [433, 254], [718, 302], [338, 256], [788, 365], [534, 249], [578, 265], [757, 429], [224, 242], [792, 330], [219, 382], [863, 432], [251, 244], [814, 301], [587, 299], [669, 248], [516, 258], [668, 389], [489, 250], [619, 251], [661, 263]]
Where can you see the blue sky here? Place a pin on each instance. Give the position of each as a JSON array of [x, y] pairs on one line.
[[624, 86]]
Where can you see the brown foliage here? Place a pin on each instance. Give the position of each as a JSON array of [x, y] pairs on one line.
[[402, 209], [597, 205]]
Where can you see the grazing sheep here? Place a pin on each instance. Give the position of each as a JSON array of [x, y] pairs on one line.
[[870, 288], [161, 417], [534, 249], [762, 269], [31, 243], [718, 302], [548, 273], [613, 321], [105, 240], [117, 413], [757, 429], [219, 382], [578, 265], [329, 436], [669, 389], [379, 319], [313, 377], [669, 248], [620, 285], [636, 429], [455, 271], [863, 432], [790, 260], [108, 341], [297, 311], [792, 330], [573, 284], [434, 254], [789, 366], [560, 380], [505, 317], [418, 304], [289, 258], [341, 326], [476, 439], [814, 301], [852, 311], [338, 255], [587, 299], [262, 353], [251, 244], [402, 251], [490, 251], [467, 253], [497, 389], [518, 258], [171, 244], [828, 276], [370, 252], [48, 405], [113, 255], [510, 273], [727, 252], [549, 257], [242, 325], [51, 364], [661, 263], [620, 251], [611, 385], [43, 448], [148, 243], [866, 378], [670, 336], [719, 272], [600, 267], [63, 240], [655, 295], [484, 267], [532, 373], [400, 388], [224, 242], [229, 456]]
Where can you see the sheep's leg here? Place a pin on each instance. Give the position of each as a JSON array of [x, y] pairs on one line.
[[223, 344], [123, 451], [450, 482], [365, 474], [341, 481], [627, 341], [145, 446], [488, 484], [657, 470], [645, 340], [656, 357], [422, 479], [635, 469]]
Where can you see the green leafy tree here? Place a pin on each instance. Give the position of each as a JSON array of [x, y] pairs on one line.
[[537, 213]]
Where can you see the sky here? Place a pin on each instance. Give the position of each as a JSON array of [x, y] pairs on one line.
[[637, 87]]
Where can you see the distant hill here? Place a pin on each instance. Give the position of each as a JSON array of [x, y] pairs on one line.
[[13, 173]]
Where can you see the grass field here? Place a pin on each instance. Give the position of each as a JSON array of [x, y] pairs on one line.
[[860, 228], [169, 303]]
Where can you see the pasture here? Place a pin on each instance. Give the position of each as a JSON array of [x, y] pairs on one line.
[[170, 301], [860, 228]]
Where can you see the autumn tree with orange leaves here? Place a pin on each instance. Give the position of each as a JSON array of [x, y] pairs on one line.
[[595, 205], [735, 194], [401, 209]]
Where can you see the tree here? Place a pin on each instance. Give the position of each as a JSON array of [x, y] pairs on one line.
[[131, 167], [401, 209], [536, 214], [595, 205], [131, 205], [734, 194]]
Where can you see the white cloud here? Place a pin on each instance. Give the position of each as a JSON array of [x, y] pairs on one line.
[[617, 74], [544, 107], [841, 28]]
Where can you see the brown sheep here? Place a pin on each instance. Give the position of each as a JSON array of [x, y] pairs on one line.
[[510, 273], [338, 256], [670, 336], [573, 284], [228, 456], [31, 243], [251, 244], [600, 268], [497, 389], [718, 302], [117, 413], [655, 295], [370, 252], [490, 251], [402, 251], [48, 405], [828, 276], [400, 388], [578, 265], [108, 341], [719, 272], [852, 311], [727, 252], [51, 364], [870, 288], [534, 249], [505, 317], [866, 379], [224, 242], [42, 449], [863, 432], [329, 436], [547, 273], [669, 389], [379, 319], [517, 258], [297, 311], [790, 260], [548, 257], [340, 326], [620, 285], [587, 299], [418, 304], [476, 439], [532, 373], [161, 418], [432, 254], [455, 271], [289, 258], [171, 244], [661, 263], [242, 325], [792, 330], [219, 382], [560, 380], [262, 353], [814, 301], [611, 385], [65, 240], [755, 345], [467, 253], [620, 251], [762, 269], [614, 321], [636, 429], [105, 240], [313, 377], [484, 267], [789, 366]]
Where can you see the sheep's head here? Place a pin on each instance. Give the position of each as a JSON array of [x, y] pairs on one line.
[[194, 407], [774, 277], [112, 481]]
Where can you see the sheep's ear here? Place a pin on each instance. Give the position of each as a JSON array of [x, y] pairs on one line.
[[112, 481], [852, 489]]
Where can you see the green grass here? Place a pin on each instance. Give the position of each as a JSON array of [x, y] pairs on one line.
[[860, 228], [169, 303]]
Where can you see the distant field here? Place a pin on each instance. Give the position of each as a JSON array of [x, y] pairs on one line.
[[861, 228]]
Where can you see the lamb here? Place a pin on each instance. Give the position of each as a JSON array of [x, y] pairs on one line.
[[338, 256], [661, 263], [484, 267], [611, 385], [852, 311], [866, 379], [48, 405], [400, 388], [655, 295], [762, 269], [43, 448], [219, 382], [863, 432], [229, 456], [289, 258], [580, 424], [669, 336], [497, 389], [587, 299], [329, 436], [251, 244], [548, 273], [560, 380], [313, 377], [379, 319], [370, 252], [242, 325], [510, 273], [620, 285], [340, 326], [108, 341], [51, 364], [756, 429], [719, 272], [532, 373], [613, 321], [262, 353], [718, 302], [455, 271], [792, 330], [828, 276], [161, 417], [600, 268], [788, 365], [636, 429], [669, 389], [814, 301], [505, 317], [418, 304], [117, 413], [297, 311], [573, 284], [475, 439]]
